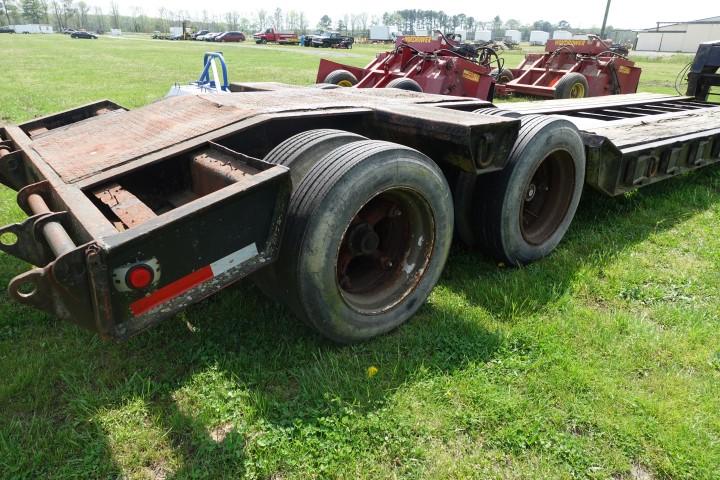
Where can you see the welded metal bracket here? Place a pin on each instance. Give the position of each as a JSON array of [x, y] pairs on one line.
[[41, 188], [59, 288], [12, 169], [25, 240]]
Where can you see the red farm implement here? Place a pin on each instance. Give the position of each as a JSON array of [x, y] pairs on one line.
[[572, 69], [427, 64]]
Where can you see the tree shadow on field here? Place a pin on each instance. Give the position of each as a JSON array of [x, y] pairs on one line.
[[217, 378]]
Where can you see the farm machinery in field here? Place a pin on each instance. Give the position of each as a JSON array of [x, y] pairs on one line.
[[440, 64], [571, 69], [432, 64], [341, 203]]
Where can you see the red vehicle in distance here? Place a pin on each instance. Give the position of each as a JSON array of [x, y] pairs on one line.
[[230, 37], [272, 36]]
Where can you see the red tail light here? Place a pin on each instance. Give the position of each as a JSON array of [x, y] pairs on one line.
[[140, 276]]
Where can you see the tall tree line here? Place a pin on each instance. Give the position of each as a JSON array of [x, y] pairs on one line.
[[80, 14], [412, 20]]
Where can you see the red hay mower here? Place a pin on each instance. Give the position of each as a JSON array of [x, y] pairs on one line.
[[441, 65], [434, 64], [571, 69]]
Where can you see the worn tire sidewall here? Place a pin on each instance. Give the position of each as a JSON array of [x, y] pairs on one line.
[[318, 292], [564, 137]]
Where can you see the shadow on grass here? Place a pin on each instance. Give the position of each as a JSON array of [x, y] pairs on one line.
[[603, 229], [245, 362]]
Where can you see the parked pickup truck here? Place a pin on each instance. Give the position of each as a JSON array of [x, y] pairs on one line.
[[271, 36], [332, 39]]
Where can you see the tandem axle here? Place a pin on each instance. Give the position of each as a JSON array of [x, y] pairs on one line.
[[340, 203]]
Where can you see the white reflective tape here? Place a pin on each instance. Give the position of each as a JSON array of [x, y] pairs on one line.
[[234, 259]]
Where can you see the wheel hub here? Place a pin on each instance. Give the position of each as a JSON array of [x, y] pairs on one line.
[[363, 240], [384, 250], [577, 91], [530, 193], [547, 197]]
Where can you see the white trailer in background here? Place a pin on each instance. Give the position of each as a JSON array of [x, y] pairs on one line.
[[539, 37], [562, 35], [464, 34], [483, 35], [382, 33], [513, 35], [32, 28]]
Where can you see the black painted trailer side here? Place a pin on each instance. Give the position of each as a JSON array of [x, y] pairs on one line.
[[135, 214]]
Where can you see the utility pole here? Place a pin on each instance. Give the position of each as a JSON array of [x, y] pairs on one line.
[[602, 30]]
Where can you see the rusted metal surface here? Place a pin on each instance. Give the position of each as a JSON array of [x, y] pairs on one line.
[[60, 288], [107, 142], [97, 144], [59, 241], [127, 207], [86, 148], [22, 241], [384, 250], [85, 222], [41, 125], [212, 170]]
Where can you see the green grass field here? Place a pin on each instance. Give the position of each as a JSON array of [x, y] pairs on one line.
[[601, 361]]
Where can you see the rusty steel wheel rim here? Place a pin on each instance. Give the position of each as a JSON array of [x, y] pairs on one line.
[[577, 91], [385, 250], [345, 83], [547, 197]]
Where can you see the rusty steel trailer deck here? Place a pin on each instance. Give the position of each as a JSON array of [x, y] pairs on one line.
[[341, 203]]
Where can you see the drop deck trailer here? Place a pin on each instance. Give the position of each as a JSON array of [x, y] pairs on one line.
[[341, 203]]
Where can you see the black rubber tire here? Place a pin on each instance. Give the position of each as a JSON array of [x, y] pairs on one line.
[[498, 112], [502, 76], [326, 86], [320, 211], [564, 87], [489, 207], [405, 84], [341, 78], [301, 151]]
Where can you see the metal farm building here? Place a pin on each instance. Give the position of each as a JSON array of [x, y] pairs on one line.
[[678, 37]]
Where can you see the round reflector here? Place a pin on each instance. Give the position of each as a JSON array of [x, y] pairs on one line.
[[140, 276]]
